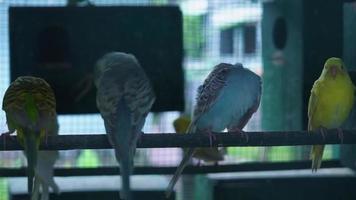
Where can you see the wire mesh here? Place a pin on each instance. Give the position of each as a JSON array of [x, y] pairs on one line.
[[214, 31], [203, 22]]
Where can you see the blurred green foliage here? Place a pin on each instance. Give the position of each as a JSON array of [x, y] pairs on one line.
[[262, 153], [159, 2], [245, 153], [281, 154], [193, 35], [4, 195], [88, 158], [284, 153]]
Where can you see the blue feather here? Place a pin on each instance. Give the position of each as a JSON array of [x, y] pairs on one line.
[[122, 137]]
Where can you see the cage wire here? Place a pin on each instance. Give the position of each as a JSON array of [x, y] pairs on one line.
[[214, 31]]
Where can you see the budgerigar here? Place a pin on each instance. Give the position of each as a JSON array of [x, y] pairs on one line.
[[30, 108], [330, 103], [124, 98], [212, 154], [227, 99]]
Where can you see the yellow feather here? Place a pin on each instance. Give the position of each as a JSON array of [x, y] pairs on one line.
[[181, 125], [330, 102]]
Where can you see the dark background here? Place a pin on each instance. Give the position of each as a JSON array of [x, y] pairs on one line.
[[62, 44]]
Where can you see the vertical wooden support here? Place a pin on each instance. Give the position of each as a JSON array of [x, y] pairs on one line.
[[282, 75]]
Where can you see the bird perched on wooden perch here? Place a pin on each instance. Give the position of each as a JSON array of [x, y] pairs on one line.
[[124, 97], [227, 99], [30, 107], [330, 103]]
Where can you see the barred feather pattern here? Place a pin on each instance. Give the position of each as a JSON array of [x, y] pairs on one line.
[[39, 88], [43, 103], [209, 91], [44, 98], [124, 98], [122, 79], [136, 91]]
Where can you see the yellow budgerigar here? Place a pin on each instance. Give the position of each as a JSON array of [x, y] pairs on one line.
[[212, 154], [330, 103], [30, 107]]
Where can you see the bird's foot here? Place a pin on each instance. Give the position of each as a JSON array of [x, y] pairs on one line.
[[236, 130], [211, 136], [241, 132], [340, 134], [44, 135], [139, 139], [323, 132], [46, 139], [199, 163], [6, 135]]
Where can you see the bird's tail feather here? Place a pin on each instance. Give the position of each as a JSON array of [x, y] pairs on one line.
[[36, 189], [187, 156], [126, 171], [122, 140], [31, 149], [316, 155], [45, 189], [45, 193], [44, 173]]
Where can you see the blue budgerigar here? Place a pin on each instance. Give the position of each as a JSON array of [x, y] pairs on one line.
[[227, 99], [124, 97]]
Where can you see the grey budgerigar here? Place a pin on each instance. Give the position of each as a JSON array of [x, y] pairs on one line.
[[124, 98]]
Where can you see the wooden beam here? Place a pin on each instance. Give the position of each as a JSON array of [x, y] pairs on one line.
[[166, 140]]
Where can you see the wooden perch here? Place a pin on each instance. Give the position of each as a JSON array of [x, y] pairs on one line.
[[166, 140]]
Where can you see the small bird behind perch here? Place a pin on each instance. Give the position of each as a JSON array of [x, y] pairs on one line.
[[213, 154]]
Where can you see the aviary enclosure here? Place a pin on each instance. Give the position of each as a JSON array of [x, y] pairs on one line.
[[178, 42]]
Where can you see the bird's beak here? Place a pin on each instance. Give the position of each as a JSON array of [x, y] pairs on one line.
[[334, 70]]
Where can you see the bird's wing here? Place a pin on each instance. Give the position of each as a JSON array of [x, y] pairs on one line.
[[312, 105], [248, 114], [139, 95], [210, 90], [316, 152], [109, 93]]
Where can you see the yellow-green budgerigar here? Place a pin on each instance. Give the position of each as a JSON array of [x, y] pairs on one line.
[[330, 103], [212, 154], [30, 107]]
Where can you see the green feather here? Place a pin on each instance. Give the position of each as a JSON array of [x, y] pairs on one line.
[[31, 108]]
